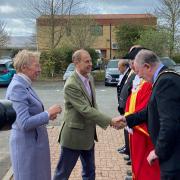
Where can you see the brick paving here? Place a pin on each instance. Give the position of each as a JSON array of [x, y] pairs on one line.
[[109, 163]]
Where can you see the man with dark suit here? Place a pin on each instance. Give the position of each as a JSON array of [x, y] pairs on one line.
[[78, 129], [124, 94], [123, 66], [162, 113], [124, 69]]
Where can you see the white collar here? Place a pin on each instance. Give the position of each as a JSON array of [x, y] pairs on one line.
[[26, 78], [83, 78], [136, 83]]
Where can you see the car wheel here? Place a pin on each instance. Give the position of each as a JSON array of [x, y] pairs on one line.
[[106, 84]]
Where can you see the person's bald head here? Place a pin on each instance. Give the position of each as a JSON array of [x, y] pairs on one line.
[[77, 55], [82, 61], [123, 64]]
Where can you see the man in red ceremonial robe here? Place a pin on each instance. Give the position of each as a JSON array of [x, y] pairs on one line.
[[140, 142]]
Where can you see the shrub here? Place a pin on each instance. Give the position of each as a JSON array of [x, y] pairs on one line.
[[56, 61], [98, 75], [176, 58]]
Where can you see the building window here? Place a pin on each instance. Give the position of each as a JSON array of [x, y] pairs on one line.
[[97, 30], [114, 45]]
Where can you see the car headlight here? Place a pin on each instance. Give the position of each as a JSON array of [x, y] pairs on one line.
[[108, 76]]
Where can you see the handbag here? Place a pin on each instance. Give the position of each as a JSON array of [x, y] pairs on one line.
[[7, 115]]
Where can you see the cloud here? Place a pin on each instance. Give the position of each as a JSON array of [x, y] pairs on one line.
[[121, 6], [5, 9], [20, 27], [12, 12]]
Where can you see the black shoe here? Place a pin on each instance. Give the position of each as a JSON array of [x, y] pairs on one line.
[[129, 162], [119, 149], [123, 151], [126, 158], [128, 178], [129, 173]]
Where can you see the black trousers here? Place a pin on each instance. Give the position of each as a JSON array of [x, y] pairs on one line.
[[174, 175], [126, 139]]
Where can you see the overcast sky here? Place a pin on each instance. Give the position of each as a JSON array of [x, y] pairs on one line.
[[11, 12]]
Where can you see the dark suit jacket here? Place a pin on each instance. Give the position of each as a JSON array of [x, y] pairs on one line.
[[125, 92], [163, 117], [120, 86]]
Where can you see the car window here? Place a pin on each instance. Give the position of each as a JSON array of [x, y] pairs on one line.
[[3, 68], [70, 67], [112, 64], [10, 65]]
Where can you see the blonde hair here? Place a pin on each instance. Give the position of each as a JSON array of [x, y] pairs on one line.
[[24, 58]]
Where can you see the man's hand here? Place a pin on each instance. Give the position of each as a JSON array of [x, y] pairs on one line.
[[151, 157], [118, 122]]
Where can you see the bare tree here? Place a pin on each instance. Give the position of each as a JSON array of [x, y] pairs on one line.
[[53, 15], [169, 14], [81, 31], [3, 34]]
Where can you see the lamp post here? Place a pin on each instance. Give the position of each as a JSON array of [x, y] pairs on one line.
[[110, 42]]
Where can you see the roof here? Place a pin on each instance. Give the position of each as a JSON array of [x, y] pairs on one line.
[[121, 16], [107, 18]]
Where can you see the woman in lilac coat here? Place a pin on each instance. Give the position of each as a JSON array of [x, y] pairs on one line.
[[29, 145]]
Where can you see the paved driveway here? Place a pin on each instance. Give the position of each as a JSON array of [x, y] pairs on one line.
[[109, 162]]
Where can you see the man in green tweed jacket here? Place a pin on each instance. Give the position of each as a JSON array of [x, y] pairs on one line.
[[78, 129]]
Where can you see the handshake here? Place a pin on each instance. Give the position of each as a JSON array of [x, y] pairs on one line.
[[118, 122]]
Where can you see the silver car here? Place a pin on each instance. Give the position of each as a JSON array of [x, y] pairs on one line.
[[112, 72], [68, 72]]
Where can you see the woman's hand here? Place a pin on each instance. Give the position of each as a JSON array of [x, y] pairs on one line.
[[53, 111]]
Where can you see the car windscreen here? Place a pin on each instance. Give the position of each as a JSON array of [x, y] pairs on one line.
[[112, 64], [70, 67]]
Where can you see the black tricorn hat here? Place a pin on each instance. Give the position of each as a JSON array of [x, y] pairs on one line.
[[132, 54]]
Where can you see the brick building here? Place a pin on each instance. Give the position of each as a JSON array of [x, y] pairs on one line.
[[105, 41]]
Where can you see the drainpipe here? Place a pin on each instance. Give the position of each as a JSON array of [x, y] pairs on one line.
[[110, 40]]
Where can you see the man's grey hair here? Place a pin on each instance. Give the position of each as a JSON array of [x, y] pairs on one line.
[[147, 56], [77, 55]]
